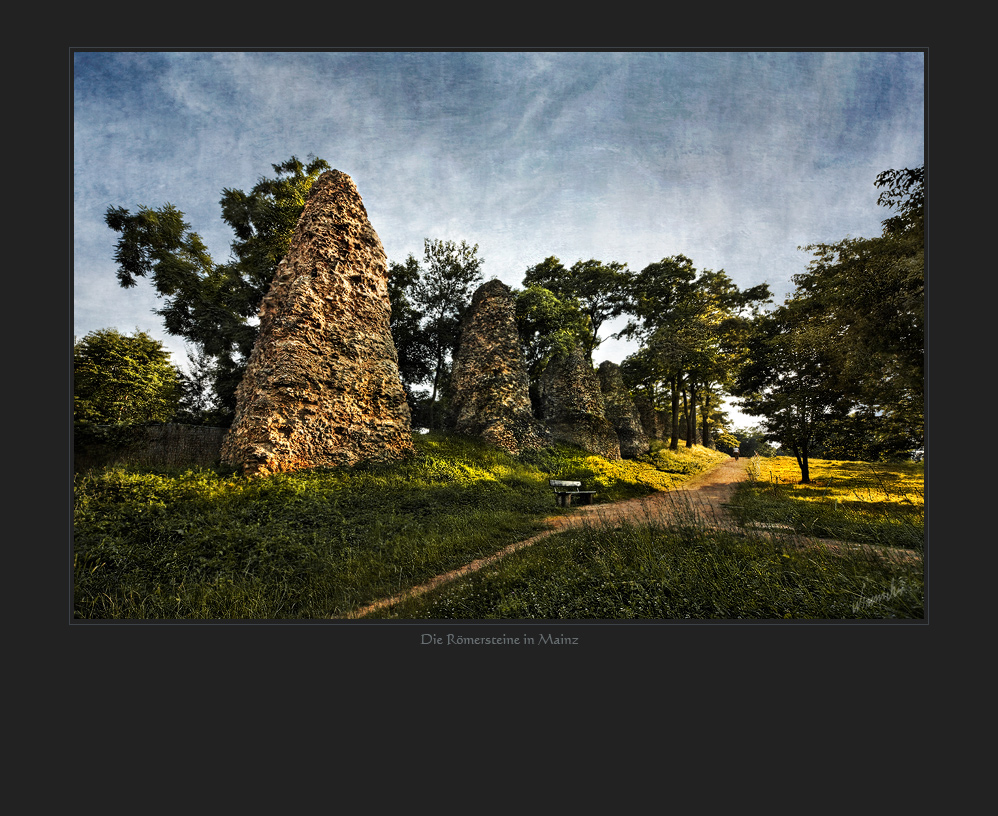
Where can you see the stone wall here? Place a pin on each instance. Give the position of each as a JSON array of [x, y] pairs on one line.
[[621, 412], [322, 385], [161, 445], [489, 384], [573, 406]]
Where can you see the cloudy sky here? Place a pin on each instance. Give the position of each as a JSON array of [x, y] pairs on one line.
[[733, 159]]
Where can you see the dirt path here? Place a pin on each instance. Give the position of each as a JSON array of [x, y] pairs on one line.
[[705, 496], [702, 500]]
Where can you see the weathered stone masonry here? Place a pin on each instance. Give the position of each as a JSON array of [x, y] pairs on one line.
[[322, 386], [573, 405], [491, 396], [621, 412]]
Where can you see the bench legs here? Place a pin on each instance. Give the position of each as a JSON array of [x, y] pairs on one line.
[[582, 497]]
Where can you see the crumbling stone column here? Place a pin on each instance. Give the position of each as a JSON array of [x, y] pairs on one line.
[[491, 391], [621, 412], [573, 406], [322, 385], [652, 421]]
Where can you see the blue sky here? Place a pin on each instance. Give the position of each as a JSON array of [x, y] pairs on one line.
[[731, 158]]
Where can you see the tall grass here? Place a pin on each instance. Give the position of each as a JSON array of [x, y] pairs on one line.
[[207, 544], [869, 503], [676, 567], [687, 562]]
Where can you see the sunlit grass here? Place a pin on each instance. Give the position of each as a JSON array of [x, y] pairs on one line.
[[874, 503], [673, 569], [209, 544]]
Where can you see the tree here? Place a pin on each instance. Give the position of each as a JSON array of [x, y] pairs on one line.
[[198, 401], [412, 341], [659, 297], [839, 367], [599, 289], [691, 324], [787, 377], [873, 290], [715, 333], [548, 326], [442, 295], [212, 305], [123, 379]]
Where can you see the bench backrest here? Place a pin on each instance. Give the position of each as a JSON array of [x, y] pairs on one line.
[[559, 483]]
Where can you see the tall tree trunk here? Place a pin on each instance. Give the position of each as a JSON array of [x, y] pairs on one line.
[[801, 455], [691, 417], [674, 438], [705, 433]]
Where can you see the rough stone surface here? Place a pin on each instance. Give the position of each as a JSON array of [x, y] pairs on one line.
[[322, 386], [573, 406], [621, 412], [652, 420], [491, 396]]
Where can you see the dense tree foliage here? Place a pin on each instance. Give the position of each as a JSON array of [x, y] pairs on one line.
[[412, 340], [428, 301], [874, 291], [443, 294], [599, 289], [214, 305], [548, 326], [119, 378], [787, 377], [840, 367], [692, 326]]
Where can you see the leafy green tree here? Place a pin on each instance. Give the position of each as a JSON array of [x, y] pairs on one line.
[[752, 441], [788, 378], [691, 325], [660, 299], [119, 378], [715, 334], [199, 402], [443, 293], [904, 191], [548, 326], [599, 289], [838, 369], [873, 290], [214, 305], [412, 341]]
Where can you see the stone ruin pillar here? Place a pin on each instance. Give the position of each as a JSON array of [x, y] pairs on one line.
[[322, 385], [491, 391], [621, 412], [573, 406], [651, 420]]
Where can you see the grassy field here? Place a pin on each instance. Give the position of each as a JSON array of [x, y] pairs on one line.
[[687, 571], [207, 544], [869, 503]]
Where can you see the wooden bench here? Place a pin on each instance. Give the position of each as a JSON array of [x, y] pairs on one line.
[[564, 491]]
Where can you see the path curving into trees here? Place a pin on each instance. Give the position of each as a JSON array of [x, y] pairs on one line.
[[702, 499]]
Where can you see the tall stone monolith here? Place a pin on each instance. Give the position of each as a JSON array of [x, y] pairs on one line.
[[652, 420], [621, 412], [322, 385], [489, 384], [573, 407]]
